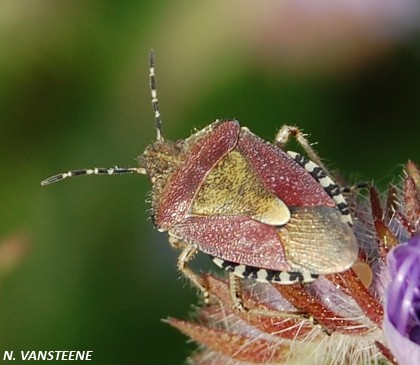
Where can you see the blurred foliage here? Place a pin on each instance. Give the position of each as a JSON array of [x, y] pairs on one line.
[[74, 93]]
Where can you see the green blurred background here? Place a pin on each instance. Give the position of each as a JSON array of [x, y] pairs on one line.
[[81, 266]]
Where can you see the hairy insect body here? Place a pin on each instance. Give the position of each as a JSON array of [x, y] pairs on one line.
[[259, 211], [248, 204]]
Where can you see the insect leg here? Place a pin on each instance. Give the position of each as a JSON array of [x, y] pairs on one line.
[[235, 291], [285, 132], [187, 255], [355, 187]]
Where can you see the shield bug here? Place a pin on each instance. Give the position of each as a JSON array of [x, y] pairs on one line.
[[260, 212]]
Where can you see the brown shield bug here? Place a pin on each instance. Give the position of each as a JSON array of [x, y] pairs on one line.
[[260, 212]]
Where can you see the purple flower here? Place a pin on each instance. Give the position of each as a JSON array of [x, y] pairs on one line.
[[402, 311]]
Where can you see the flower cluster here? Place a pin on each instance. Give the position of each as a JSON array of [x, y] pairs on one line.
[[369, 314]]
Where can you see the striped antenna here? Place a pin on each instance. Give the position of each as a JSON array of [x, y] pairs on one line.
[[153, 92], [119, 170], [94, 171]]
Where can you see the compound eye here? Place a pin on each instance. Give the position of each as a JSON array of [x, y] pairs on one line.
[[153, 219]]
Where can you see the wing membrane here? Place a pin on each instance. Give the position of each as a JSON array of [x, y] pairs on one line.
[[315, 239]]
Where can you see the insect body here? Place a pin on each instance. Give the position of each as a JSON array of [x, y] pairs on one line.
[[250, 205], [259, 211]]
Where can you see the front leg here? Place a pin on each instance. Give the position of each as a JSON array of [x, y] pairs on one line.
[[189, 250]]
